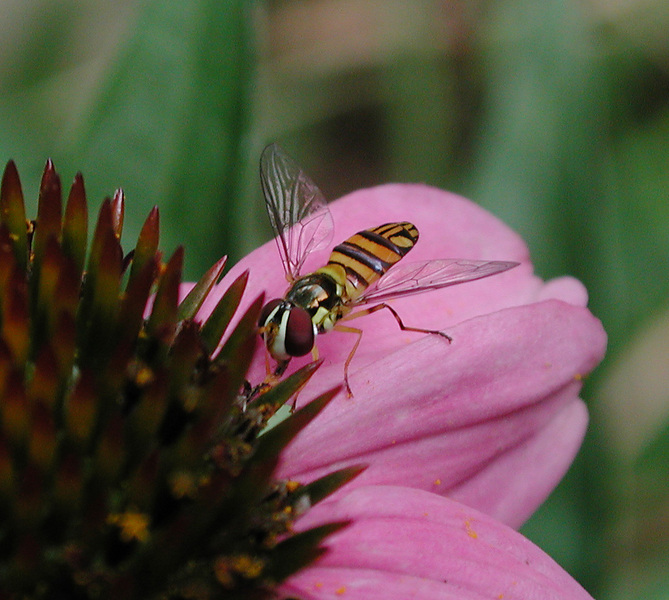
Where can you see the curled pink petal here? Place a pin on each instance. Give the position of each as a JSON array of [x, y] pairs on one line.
[[529, 471], [407, 543], [489, 393], [566, 289]]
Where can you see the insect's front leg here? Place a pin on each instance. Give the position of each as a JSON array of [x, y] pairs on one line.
[[314, 357], [271, 378]]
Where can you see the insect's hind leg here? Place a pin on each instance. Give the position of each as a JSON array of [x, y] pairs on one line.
[[402, 326]]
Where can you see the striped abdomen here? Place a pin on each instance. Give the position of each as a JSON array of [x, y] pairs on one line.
[[367, 255]]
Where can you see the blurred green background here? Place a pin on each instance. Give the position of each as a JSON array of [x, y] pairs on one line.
[[554, 115]]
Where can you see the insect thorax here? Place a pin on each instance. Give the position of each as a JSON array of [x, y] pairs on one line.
[[322, 297]]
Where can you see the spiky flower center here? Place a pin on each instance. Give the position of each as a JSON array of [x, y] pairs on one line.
[[130, 460]]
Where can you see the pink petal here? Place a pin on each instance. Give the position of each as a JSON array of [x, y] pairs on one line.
[[450, 227], [454, 418], [464, 406], [406, 543], [566, 289], [513, 485]]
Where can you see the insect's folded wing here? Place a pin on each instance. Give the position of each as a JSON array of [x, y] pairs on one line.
[[411, 278], [297, 210]]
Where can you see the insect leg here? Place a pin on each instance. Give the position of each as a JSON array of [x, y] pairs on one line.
[[358, 332], [314, 357], [369, 311], [402, 326]]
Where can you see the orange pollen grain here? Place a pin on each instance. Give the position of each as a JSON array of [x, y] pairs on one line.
[[183, 485], [292, 486], [247, 566], [144, 376], [470, 531], [133, 525]]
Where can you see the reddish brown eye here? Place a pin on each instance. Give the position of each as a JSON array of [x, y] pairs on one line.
[[267, 311], [299, 338]]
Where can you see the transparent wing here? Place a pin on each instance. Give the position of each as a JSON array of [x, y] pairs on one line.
[[418, 277], [297, 209]]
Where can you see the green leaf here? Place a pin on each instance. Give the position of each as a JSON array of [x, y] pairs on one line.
[[13, 212], [198, 294], [118, 212], [277, 395], [276, 439], [147, 245], [103, 232], [75, 224], [300, 550], [49, 210], [215, 326], [16, 317], [245, 330], [163, 319], [330, 483], [655, 455], [133, 305], [168, 123], [103, 322]]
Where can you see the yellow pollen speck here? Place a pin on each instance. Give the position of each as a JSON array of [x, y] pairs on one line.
[[248, 566], [133, 525], [292, 486], [144, 376], [341, 591], [470, 531], [222, 573], [578, 377], [227, 567], [437, 482], [183, 485], [318, 585]]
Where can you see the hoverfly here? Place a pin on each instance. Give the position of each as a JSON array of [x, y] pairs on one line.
[[361, 270]]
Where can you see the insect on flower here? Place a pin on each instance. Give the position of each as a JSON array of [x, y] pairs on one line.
[[361, 271]]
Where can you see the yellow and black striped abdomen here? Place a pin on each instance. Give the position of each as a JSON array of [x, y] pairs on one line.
[[368, 254]]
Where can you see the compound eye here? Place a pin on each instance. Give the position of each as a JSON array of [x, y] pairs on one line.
[[267, 310], [299, 338]]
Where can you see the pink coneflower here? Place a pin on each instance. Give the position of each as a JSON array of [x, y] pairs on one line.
[[136, 463], [492, 419]]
